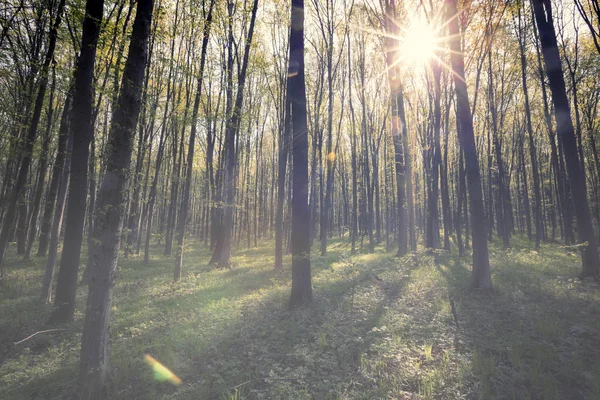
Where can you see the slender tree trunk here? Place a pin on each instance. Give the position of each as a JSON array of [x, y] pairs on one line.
[[502, 199], [353, 150], [481, 275], [57, 168], [433, 229], [43, 166], [231, 132], [162, 141], [398, 127], [61, 197], [282, 163], [556, 159], [190, 156], [18, 189]]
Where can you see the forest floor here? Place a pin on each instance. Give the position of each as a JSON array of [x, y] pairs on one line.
[[379, 328]]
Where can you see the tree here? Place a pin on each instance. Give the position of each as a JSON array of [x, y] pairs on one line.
[[481, 275], [110, 211], [590, 12], [282, 166], [30, 139], [222, 251], [58, 192], [564, 126], [83, 132], [398, 128], [190, 156], [521, 32], [301, 274]]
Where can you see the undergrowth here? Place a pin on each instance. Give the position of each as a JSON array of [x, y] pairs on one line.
[[379, 327]]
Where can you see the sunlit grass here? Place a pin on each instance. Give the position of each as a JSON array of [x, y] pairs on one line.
[[379, 327]]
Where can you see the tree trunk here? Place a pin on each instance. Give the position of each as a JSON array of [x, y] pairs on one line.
[[481, 275], [83, 133], [110, 212], [49, 206], [223, 251], [301, 274], [61, 197], [282, 164], [26, 154], [41, 181], [190, 156], [589, 253]]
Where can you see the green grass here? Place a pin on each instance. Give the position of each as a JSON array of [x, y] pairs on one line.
[[379, 328]]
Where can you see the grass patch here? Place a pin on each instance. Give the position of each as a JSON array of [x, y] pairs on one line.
[[379, 327]]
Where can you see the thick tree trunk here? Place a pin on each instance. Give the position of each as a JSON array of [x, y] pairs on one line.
[[110, 212], [83, 133], [301, 274], [589, 253], [21, 228]]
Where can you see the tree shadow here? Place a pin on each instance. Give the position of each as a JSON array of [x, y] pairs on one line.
[[534, 336]]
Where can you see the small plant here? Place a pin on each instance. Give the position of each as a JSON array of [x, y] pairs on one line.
[[426, 388], [446, 361], [323, 340], [427, 351]]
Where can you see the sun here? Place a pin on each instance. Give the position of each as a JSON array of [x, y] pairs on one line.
[[418, 43]]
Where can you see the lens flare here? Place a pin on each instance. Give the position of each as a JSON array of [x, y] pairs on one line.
[[161, 373], [419, 43]]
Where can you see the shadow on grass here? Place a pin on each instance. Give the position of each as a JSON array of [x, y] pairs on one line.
[[229, 334], [534, 337]]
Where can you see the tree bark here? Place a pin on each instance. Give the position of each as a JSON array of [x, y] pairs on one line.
[[564, 123], [83, 133], [537, 211], [481, 275], [57, 168], [300, 242], [110, 212], [64, 168], [282, 166]]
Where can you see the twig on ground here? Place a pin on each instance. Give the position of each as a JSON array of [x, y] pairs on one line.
[[39, 332]]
